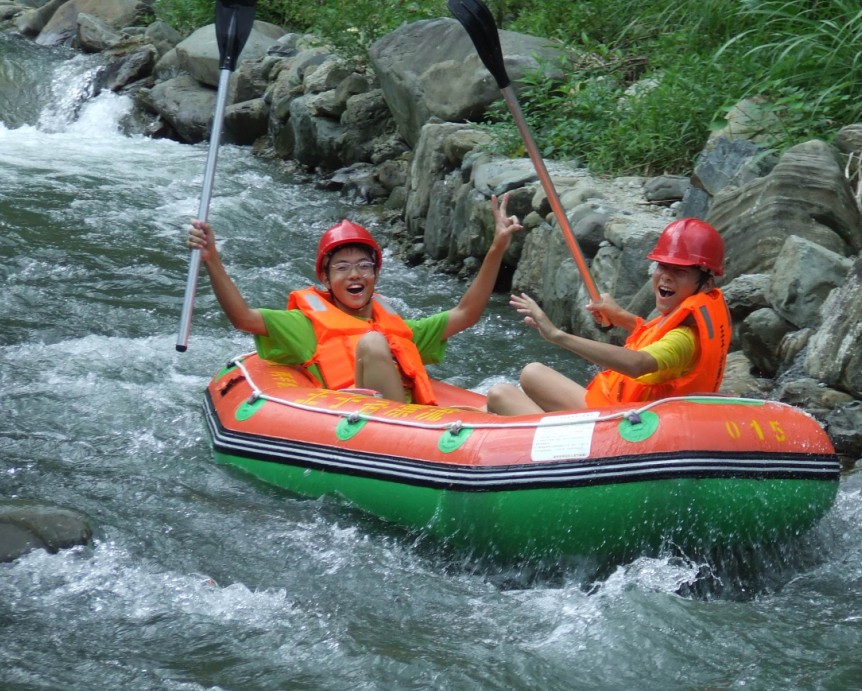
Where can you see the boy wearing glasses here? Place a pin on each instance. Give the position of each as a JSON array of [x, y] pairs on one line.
[[345, 335]]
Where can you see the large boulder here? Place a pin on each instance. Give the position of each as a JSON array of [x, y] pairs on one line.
[[806, 194], [431, 69], [62, 27], [186, 105], [199, 54], [803, 276]]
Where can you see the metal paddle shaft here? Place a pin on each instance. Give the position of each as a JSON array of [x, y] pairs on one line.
[[476, 18], [234, 20]]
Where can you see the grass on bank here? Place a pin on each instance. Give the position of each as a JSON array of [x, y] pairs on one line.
[[646, 81]]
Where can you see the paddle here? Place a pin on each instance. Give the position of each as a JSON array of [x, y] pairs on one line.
[[477, 20], [233, 22]]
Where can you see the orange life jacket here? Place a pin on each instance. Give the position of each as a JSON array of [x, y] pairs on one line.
[[338, 333], [712, 319]]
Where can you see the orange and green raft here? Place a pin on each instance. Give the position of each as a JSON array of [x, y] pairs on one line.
[[697, 472]]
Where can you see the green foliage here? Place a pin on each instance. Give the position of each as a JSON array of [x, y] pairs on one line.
[[813, 50], [185, 15], [353, 27], [644, 81]]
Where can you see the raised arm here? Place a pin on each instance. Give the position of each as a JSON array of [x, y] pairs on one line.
[[242, 317], [469, 309], [631, 363]]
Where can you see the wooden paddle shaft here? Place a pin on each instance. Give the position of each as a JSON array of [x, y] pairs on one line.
[[553, 198]]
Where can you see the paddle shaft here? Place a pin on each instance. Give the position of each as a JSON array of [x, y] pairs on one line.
[[234, 21], [548, 185], [478, 21], [203, 210]]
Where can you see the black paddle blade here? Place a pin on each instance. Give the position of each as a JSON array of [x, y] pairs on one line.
[[476, 18], [233, 20]]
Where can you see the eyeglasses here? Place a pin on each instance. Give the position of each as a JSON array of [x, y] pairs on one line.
[[363, 268]]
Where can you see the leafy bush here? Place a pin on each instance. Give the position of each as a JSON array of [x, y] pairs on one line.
[[693, 60], [812, 50]]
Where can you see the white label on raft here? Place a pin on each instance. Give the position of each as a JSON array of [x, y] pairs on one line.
[[565, 436]]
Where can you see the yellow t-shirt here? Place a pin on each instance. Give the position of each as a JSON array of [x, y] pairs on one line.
[[676, 353]]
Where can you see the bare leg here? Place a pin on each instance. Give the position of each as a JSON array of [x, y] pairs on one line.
[[505, 399], [376, 368], [550, 390]]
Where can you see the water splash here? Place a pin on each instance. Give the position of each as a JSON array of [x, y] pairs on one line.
[[72, 86]]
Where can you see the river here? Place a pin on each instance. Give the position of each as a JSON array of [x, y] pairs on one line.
[[202, 578]]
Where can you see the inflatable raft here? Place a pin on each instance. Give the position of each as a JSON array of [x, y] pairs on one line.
[[697, 472]]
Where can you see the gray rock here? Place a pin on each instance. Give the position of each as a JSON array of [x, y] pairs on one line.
[[317, 140], [803, 276], [28, 525], [746, 293], [844, 426], [199, 54], [500, 176], [834, 356], [186, 105], [62, 27], [849, 139], [760, 335], [429, 165], [806, 194], [695, 204], [733, 163], [666, 188], [430, 68], [163, 37], [246, 122], [94, 35], [740, 378]]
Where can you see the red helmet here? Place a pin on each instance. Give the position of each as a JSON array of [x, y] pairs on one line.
[[690, 242], [345, 233]]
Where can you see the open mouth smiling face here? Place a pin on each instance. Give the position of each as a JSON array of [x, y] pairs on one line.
[[672, 284], [352, 278]]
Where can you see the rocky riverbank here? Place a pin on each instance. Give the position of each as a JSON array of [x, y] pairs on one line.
[[396, 134]]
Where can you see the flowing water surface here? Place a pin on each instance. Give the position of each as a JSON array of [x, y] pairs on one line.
[[202, 578]]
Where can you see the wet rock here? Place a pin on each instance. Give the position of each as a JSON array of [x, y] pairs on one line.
[[186, 105], [814, 397], [844, 426], [27, 525]]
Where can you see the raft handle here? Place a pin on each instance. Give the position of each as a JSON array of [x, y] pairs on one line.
[[229, 384]]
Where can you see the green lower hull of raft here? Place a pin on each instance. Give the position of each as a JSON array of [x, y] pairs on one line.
[[609, 520]]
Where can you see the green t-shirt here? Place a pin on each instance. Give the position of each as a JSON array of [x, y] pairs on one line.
[[290, 338]]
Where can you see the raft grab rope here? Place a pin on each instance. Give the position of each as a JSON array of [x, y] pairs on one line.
[[454, 428]]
